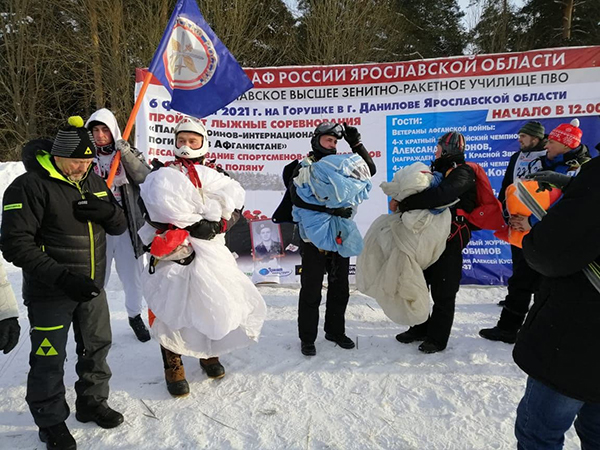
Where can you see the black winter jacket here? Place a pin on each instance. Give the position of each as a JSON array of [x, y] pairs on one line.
[[459, 183], [40, 234], [559, 343]]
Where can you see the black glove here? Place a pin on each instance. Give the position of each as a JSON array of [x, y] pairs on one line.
[[9, 334], [93, 209], [351, 135], [205, 229], [344, 213], [78, 287], [548, 180]]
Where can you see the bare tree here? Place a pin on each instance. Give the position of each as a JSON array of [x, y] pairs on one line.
[[347, 31], [257, 32], [24, 71]]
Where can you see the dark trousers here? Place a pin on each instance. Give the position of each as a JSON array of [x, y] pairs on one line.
[[443, 278], [521, 285], [50, 322], [315, 264]]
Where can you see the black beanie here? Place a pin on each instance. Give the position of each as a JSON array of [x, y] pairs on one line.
[[74, 141], [534, 129]]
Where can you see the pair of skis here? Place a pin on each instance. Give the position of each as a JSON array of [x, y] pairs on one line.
[[592, 271]]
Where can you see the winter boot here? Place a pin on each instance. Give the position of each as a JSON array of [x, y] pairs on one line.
[[308, 348], [340, 339], [57, 437], [102, 414], [177, 385], [498, 334], [430, 347], [137, 325], [409, 336], [212, 367]]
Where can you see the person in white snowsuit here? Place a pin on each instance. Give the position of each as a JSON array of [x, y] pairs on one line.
[[127, 248], [9, 314], [201, 304]]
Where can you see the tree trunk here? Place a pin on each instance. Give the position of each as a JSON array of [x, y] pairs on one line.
[[97, 66], [567, 19]]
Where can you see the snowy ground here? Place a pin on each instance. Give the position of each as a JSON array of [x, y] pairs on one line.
[[381, 395]]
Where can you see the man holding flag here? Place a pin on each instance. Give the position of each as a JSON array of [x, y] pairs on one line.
[[202, 77]]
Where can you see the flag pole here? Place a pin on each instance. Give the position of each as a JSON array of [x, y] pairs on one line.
[[138, 103]]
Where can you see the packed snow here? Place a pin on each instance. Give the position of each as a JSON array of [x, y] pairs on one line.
[[380, 395]]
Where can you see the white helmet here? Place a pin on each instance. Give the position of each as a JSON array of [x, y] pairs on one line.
[[191, 125]]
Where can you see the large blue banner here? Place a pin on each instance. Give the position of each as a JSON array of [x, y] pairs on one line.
[[486, 260]]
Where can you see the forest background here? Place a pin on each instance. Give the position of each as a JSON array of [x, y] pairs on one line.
[[70, 57]]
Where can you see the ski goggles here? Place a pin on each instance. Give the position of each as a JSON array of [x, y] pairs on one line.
[[330, 129]]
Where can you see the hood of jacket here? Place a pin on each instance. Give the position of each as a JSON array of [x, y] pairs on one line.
[[106, 117], [30, 151]]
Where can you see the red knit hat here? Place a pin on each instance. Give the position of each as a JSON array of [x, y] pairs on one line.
[[568, 134]]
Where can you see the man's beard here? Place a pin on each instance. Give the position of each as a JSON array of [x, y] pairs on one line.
[[527, 148]]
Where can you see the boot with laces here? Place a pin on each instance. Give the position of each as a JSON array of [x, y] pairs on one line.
[[177, 385], [212, 367], [139, 328], [57, 437], [102, 414]]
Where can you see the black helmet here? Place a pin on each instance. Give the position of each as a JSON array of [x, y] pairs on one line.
[[325, 129], [452, 143]]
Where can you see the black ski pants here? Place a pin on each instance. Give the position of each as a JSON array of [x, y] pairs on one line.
[[523, 283], [50, 322], [443, 278], [315, 263]]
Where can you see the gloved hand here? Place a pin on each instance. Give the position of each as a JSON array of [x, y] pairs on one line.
[[93, 209], [344, 213], [204, 229], [548, 180], [123, 146], [351, 135], [78, 287], [9, 334]]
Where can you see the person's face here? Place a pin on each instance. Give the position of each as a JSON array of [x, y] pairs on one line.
[[102, 135], [527, 142], [265, 234], [73, 168], [555, 148], [328, 142], [192, 140], [438, 151]]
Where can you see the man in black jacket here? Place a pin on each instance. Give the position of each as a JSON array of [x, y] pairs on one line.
[[317, 262], [524, 280], [457, 188], [558, 344], [54, 221]]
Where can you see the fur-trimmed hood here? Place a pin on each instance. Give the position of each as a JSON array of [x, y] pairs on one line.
[[30, 151]]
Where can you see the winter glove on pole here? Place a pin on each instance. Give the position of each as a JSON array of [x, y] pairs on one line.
[[78, 287], [123, 146], [344, 213], [204, 229], [351, 135], [93, 209], [9, 334], [547, 180]]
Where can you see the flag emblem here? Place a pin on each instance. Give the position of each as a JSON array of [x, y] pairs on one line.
[[190, 58]]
